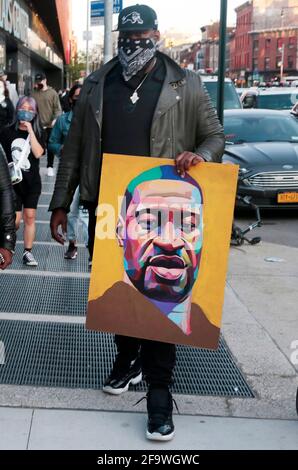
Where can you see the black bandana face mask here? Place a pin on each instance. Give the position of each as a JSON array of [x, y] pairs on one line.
[[134, 54]]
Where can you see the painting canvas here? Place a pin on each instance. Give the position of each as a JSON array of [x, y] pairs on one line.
[[161, 250]]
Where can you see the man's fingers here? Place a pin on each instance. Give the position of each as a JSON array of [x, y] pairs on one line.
[[179, 163], [64, 226], [188, 163], [56, 235], [6, 257], [59, 219], [59, 238], [5, 264]]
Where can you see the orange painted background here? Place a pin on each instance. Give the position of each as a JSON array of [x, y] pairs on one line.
[[218, 183]]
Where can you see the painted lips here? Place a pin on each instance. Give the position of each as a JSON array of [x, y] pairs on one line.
[[168, 267]]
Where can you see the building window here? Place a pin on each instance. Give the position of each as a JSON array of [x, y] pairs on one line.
[[255, 64], [292, 42], [279, 43], [291, 62], [267, 63], [268, 43], [256, 45]]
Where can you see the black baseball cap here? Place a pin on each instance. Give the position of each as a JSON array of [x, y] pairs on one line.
[[137, 18], [39, 77]]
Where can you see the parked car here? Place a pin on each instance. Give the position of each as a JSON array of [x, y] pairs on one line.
[[292, 81], [231, 98], [264, 143], [269, 98]]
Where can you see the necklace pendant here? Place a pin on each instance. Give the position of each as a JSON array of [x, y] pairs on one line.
[[134, 98]]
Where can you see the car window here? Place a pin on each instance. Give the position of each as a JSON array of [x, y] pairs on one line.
[[231, 98], [260, 129], [277, 101]]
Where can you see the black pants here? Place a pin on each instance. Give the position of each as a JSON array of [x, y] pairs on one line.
[[50, 154], [157, 359]]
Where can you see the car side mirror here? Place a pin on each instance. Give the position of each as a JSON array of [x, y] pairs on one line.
[[248, 102]]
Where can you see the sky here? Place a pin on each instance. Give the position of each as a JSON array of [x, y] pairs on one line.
[[182, 15]]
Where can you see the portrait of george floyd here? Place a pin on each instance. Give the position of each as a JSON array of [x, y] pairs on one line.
[[161, 250]]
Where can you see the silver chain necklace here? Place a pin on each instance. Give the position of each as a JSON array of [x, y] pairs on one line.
[[135, 97]]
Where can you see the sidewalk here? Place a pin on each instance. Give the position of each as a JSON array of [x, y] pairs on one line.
[[90, 430], [260, 326]]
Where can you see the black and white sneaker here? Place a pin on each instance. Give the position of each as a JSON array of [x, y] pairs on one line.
[[28, 259], [160, 426], [120, 378], [72, 252]]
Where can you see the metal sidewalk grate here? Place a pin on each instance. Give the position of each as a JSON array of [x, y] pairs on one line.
[[48, 186], [44, 295], [51, 258], [43, 233], [40, 253], [66, 355], [42, 213], [45, 199], [56, 261]]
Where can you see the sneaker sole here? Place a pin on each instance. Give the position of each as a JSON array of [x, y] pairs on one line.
[[71, 257], [155, 436], [118, 391], [32, 265]]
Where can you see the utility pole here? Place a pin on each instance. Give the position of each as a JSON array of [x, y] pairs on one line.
[[222, 59], [108, 44], [87, 38], [282, 47]]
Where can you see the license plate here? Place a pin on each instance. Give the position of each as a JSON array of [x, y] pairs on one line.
[[286, 198]]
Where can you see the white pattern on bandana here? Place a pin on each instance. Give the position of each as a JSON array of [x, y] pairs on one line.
[[134, 55]]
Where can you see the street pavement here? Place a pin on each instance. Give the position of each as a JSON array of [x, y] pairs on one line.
[[260, 327]]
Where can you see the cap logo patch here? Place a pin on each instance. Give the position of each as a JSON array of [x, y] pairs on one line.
[[133, 18]]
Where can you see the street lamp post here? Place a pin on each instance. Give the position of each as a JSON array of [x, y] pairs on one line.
[[282, 47], [222, 59], [87, 38], [108, 43]]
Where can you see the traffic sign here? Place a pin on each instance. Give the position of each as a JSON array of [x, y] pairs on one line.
[[97, 10]]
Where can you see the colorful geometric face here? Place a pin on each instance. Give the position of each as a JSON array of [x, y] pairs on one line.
[[163, 238]]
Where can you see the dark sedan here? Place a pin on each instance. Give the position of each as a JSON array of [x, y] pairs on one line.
[[265, 145]]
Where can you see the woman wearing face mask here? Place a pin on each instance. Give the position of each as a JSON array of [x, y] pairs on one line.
[[23, 140], [56, 142], [6, 106]]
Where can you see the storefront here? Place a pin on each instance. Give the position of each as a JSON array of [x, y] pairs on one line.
[[27, 47]]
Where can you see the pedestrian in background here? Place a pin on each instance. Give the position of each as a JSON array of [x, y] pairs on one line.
[[24, 141], [7, 215], [13, 94], [6, 107], [49, 109], [64, 100], [56, 143]]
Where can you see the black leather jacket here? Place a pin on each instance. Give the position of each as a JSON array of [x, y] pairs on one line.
[[7, 210], [184, 120]]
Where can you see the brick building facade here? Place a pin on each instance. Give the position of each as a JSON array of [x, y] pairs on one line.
[[265, 41]]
